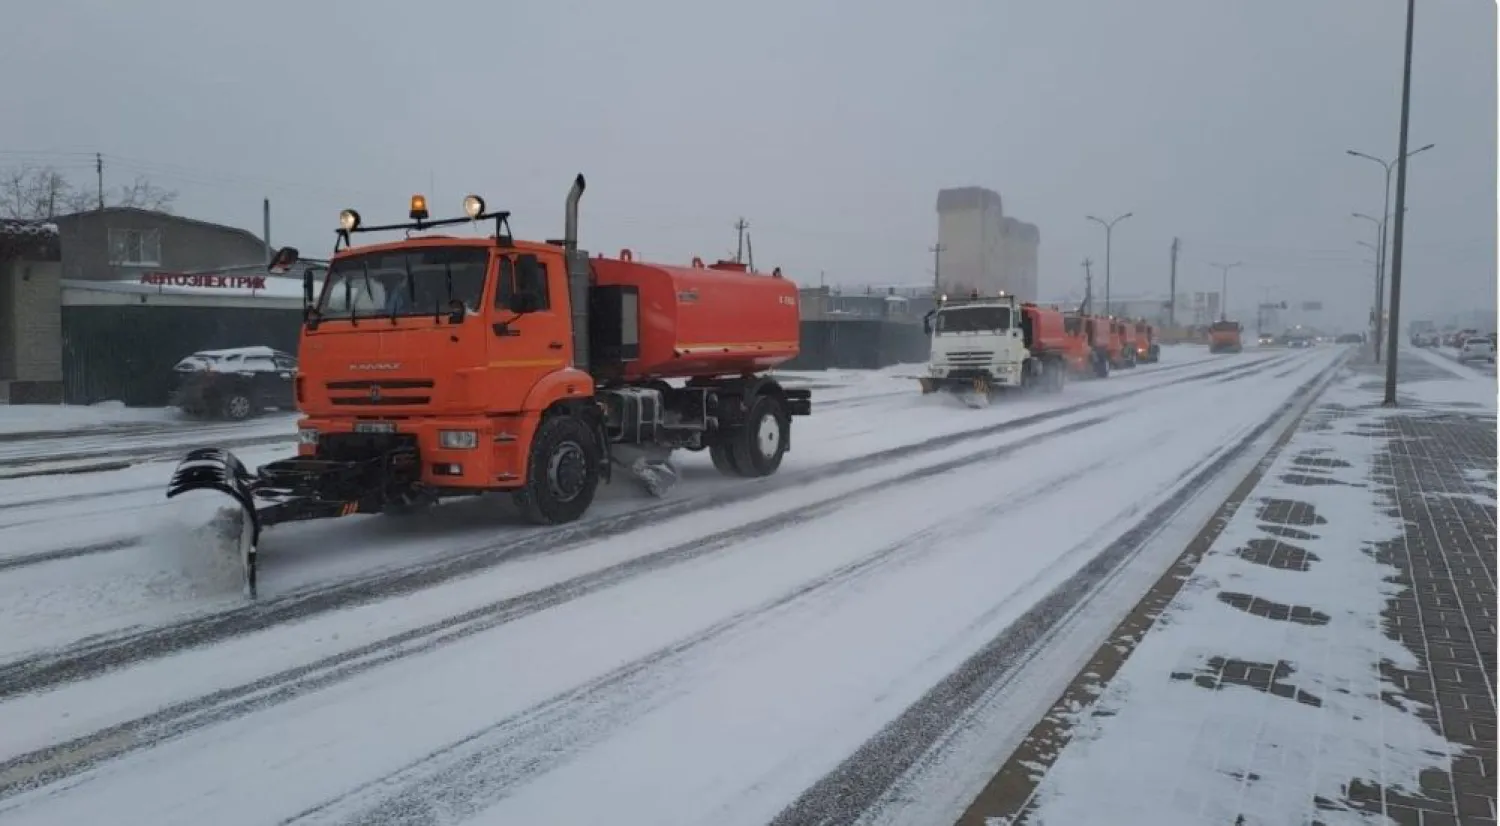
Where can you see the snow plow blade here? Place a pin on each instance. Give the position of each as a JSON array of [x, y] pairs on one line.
[[973, 392], [294, 490], [219, 470]]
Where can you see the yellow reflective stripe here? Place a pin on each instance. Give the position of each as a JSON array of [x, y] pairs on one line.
[[529, 363]]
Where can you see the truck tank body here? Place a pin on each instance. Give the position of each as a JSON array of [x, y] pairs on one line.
[[1049, 333], [706, 321]]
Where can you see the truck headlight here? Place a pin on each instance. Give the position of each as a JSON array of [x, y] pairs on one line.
[[307, 436], [458, 439]]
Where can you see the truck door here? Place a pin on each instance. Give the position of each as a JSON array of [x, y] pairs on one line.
[[530, 330]]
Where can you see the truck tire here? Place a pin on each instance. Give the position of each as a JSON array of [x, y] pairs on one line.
[[562, 472], [759, 446], [1058, 375], [722, 455]]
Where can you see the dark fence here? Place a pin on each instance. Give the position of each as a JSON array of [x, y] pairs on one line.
[[126, 353], [859, 344]]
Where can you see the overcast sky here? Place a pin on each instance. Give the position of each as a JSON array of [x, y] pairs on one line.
[[828, 124]]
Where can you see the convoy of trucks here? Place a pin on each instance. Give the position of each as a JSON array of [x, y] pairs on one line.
[[983, 345], [439, 366]]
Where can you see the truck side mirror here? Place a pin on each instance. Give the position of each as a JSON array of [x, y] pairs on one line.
[[927, 322], [530, 284], [307, 286], [282, 260]]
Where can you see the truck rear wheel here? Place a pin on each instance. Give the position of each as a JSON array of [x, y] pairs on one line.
[[562, 472], [760, 445], [722, 455]]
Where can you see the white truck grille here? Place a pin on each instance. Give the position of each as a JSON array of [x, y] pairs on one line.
[[969, 358]]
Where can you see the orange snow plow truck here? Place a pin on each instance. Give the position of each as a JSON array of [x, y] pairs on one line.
[[1224, 337], [440, 366]]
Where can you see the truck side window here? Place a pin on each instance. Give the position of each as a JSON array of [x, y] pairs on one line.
[[507, 284]]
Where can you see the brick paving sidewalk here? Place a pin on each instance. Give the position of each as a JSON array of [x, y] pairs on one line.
[[1432, 470]]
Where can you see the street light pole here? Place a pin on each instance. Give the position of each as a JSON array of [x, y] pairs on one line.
[[1380, 259], [1379, 249], [1109, 229], [1224, 288], [1399, 233]]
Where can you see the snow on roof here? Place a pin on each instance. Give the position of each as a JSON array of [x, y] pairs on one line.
[[242, 352], [15, 226]]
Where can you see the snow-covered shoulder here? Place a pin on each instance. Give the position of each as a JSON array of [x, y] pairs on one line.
[[54, 418], [1259, 692]]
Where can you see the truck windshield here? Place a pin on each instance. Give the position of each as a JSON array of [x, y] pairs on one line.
[[1225, 327], [973, 320], [409, 282]]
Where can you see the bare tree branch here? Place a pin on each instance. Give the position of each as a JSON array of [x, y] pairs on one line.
[[43, 193]]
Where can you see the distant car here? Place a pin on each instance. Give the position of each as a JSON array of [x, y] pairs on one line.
[[1477, 348], [235, 384], [1350, 338], [1266, 340], [1299, 341]]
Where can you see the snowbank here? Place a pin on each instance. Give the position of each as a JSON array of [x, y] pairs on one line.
[[54, 418]]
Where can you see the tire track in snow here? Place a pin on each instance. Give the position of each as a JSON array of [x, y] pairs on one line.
[[58, 762], [480, 770], [98, 655], [860, 782], [9, 563], [95, 461]]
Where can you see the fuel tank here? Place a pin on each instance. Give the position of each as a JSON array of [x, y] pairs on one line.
[[712, 320]]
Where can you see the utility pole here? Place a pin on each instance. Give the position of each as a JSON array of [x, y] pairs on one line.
[[1172, 296], [1398, 232], [937, 270], [99, 170], [739, 251], [1088, 285]]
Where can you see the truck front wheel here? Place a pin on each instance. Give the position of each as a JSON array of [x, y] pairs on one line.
[[759, 447], [562, 472]]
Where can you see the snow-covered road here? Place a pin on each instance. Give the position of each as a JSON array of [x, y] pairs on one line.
[[715, 657]]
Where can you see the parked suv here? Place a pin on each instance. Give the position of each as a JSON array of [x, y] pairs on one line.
[[235, 384]]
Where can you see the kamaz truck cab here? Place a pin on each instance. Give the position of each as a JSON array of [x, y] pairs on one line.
[[977, 343]]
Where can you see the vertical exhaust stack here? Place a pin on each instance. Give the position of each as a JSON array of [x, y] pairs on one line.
[[579, 271], [570, 215]]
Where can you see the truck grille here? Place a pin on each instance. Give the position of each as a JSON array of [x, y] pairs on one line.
[[966, 358], [380, 392]]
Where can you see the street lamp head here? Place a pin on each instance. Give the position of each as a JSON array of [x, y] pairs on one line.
[[1126, 215], [1423, 149]]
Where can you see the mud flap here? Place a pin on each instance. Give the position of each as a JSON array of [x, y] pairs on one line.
[[219, 470]]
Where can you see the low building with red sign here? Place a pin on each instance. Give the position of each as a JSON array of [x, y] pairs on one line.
[[136, 290]]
